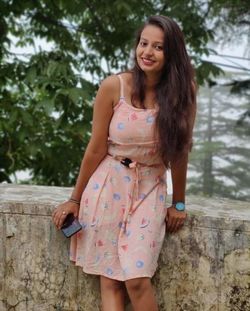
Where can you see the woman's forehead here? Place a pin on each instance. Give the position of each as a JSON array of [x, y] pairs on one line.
[[153, 33]]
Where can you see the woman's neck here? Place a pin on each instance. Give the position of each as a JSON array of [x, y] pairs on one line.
[[151, 81]]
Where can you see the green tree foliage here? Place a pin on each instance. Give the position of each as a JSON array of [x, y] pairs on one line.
[[45, 97], [231, 18], [219, 163]]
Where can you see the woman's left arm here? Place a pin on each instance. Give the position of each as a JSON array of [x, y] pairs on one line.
[[175, 218]]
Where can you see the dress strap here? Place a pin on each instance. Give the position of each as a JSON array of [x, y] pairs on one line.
[[121, 87]]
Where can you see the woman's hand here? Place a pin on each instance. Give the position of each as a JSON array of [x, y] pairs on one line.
[[61, 212], [174, 219]]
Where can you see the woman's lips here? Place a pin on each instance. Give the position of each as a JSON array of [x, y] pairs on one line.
[[147, 62]]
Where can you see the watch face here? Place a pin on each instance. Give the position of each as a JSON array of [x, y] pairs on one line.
[[180, 206]]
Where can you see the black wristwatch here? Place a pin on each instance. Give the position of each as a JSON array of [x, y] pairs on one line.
[[180, 206]]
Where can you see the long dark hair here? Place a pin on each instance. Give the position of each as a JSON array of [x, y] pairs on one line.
[[175, 91]]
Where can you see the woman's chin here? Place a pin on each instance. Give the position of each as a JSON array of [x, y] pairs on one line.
[[149, 70]]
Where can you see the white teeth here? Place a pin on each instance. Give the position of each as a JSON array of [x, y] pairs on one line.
[[147, 60]]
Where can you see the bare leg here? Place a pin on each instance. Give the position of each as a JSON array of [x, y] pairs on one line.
[[112, 294], [141, 294]]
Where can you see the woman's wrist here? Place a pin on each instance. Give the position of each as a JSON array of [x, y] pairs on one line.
[[179, 206], [177, 201], [74, 201]]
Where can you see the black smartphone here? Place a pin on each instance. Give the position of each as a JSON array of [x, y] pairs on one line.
[[70, 226]]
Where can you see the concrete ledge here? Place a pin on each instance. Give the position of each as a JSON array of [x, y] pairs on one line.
[[205, 266]]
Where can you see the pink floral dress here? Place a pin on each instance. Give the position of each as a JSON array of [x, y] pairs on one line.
[[123, 207]]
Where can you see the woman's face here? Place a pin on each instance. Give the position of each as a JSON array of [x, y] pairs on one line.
[[149, 52]]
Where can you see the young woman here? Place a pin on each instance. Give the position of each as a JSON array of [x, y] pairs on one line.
[[142, 125]]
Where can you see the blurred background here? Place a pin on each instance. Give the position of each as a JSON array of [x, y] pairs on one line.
[[55, 53]]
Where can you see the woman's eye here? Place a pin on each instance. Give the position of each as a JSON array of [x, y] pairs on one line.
[[159, 47], [143, 43]]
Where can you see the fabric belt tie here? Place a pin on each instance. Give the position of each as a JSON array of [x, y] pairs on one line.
[[135, 166]]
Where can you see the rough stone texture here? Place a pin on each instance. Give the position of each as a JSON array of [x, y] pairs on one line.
[[204, 267]]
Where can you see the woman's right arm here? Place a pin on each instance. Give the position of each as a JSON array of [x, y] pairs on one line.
[[97, 146]]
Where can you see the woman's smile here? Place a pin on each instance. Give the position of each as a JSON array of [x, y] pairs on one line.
[[149, 52], [147, 61]]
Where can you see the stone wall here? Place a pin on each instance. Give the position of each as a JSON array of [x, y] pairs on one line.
[[205, 266]]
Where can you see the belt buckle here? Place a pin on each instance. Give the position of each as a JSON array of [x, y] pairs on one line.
[[126, 162]]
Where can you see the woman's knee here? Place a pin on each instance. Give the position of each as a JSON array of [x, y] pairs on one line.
[[111, 285], [138, 285]]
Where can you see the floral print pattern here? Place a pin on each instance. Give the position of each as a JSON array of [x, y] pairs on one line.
[[123, 208]]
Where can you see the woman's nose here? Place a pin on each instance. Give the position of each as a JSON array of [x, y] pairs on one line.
[[148, 50]]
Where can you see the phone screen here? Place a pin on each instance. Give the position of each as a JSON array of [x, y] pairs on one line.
[[70, 226]]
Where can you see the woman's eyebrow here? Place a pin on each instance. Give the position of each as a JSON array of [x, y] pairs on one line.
[[161, 42]]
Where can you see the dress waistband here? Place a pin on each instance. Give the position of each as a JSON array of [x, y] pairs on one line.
[[130, 163], [135, 166], [127, 162]]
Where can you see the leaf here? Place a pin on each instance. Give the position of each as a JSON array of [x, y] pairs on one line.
[[27, 117], [55, 86], [31, 75], [52, 68], [48, 105]]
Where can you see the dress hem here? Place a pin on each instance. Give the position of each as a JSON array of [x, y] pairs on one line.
[[91, 272]]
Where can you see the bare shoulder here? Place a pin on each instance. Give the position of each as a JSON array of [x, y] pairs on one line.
[[194, 89], [102, 113], [110, 82], [110, 88], [127, 78], [194, 86]]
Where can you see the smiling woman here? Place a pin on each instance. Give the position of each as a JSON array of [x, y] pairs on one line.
[[142, 124], [149, 52]]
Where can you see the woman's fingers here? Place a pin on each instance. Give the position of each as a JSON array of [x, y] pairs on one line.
[[174, 223], [60, 213], [171, 224], [61, 220], [178, 225]]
